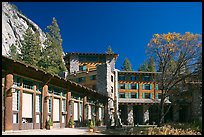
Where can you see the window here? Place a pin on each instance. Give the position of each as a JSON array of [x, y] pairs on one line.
[[157, 87], [133, 95], [38, 103], [15, 99], [82, 79], [64, 93], [133, 86], [133, 78], [147, 78], [147, 86], [16, 81], [50, 105], [63, 105], [82, 68], [111, 89], [57, 91], [27, 84], [122, 86], [93, 77], [15, 118], [121, 77], [38, 87], [50, 90], [122, 95], [111, 78], [159, 95]]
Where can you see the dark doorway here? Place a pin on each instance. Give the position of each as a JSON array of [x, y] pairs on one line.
[[138, 114], [124, 114]]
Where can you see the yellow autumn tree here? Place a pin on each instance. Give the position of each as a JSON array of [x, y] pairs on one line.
[[177, 57]]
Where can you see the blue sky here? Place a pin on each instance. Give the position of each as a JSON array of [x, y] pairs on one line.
[[126, 26]]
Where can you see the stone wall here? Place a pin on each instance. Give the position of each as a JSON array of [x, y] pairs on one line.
[[74, 64]]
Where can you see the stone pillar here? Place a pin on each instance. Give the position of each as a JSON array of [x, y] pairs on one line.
[[84, 109], [97, 111], [45, 105], [8, 102], [130, 119], [106, 115], [68, 97]]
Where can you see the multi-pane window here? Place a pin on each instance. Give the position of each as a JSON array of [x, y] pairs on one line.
[[156, 87], [82, 79], [133, 95], [57, 91], [121, 77], [134, 78], [134, 86], [15, 117], [147, 86], [16, 81], [15, 99], [121, 95], [82, 68], [147, 95], [50, 90], [38, 103], [81, 109], [50, 105], [93, 77], [38, 87], [63, 105], [147, 78], [64, 93], [28, 84], [122, 86]]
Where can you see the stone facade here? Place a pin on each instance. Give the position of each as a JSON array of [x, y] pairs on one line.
[[74, 64]]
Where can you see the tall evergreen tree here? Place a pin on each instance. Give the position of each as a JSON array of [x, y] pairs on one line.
[[52, 55], [13, 52], [127, 65], [30, 48], [144, 67], [109, 50], [151, 65]]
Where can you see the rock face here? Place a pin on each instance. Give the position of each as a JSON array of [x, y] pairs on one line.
[[14, 24]]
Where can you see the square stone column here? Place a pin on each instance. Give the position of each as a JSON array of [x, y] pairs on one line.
[[8, 102]]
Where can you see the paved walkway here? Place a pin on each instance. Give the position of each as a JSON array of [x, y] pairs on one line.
[[55, 131]]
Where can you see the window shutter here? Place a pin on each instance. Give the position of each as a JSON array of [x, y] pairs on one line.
[[137, 86], [157, 87], [156, 95], [137, 95], [150, 86], [126, 95], [129, 86], [118, 85], [143, 95], [150, 95], [129, 94], [143, 86], [126, 87]]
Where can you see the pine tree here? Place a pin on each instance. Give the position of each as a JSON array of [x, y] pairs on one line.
[[13, 52], [109, 50], [127, 65], [52, 55], [30, 48], [151, 65], [144, 67]]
